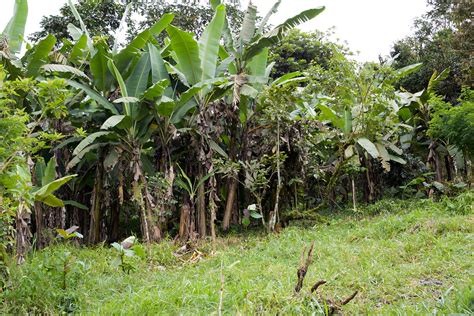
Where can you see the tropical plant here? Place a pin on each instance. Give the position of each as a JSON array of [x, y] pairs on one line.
[[127, 248]]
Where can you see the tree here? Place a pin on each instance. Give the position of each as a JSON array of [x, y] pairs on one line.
[[443, 38], [101, 19], [298, 51], [454, 125]]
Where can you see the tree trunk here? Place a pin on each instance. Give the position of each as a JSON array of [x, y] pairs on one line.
[[39, 223], [229, 204], [274, 215], [185, 221], [354, 197], [240, 80], [23, 233], [212, 207], [370, 184], [434, 162], [114, 221], [201, 208], [448, 160], [94, 228]]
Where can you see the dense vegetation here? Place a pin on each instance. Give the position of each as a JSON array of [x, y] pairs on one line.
[[202, 127]]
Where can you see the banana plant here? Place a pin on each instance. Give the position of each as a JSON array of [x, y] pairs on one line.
[[363, 117], [12, 35], [134, 87], [246, 59], [197, 65], [417, 110]]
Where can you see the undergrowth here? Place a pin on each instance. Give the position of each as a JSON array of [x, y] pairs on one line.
[[403, 257]]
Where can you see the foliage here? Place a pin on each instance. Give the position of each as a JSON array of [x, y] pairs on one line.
[[174, 132], [190, 18], [101, 19], [442, 39], [298, 51], [455, 125], [128, 248]]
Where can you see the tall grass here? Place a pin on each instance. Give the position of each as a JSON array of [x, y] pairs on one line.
[[411, 257]]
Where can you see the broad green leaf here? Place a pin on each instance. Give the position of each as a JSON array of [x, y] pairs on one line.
[[120, 33], [39, 57], [126, 55], [98, 65], [439, 186], [156, 90], [49, 172], [249, 91], [272, 11], [255, 48], [298, 19], [327, 114], [395, 149], [88, 140], [209, 44], [83, 26], [368, 146], [257, 66], [76, 204], [165, 106], [181, 110], [255, 215], [112, 121], [15, 29], [436, 79], [40, 168], [138, 79], [347, 122], [65, 68], [50, 200], [75, 32], [126, 100], [187, 54], [117, 246], [277, 33], [405, 71], [286, 77], [383, 153], [122, 85], [94, 95], [248, 25], [62, 232], [52, 186], [173, 70], [269, 69], [397, 159], [158, 68], [78, 158]]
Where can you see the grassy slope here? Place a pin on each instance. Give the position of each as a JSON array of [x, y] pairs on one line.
[[416, 259]]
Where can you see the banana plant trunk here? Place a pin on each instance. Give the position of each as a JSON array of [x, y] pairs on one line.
[[201, 209], [434, 161], [23, 233], [95, 212]]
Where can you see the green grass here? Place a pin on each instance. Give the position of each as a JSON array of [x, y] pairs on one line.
[[412, 257]]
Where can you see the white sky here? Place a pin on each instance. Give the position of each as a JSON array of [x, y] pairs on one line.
[[369, 26]]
